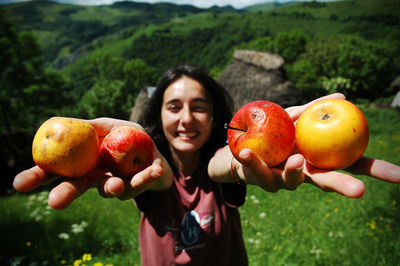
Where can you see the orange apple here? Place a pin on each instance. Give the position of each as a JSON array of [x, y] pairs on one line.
[[65, 146], [126, 151], [332, 134], [265, 128]]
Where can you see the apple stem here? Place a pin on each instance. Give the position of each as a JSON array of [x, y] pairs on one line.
[[234, 128], [326, 117]]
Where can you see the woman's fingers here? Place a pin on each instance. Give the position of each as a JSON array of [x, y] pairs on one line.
[[66, 192], [113, 187], [104, 125], [295, 111], [292, 174], [335, 181], [376, 168], [255, 171], [31, 179], [350, 186], [141, 182], [108, 186]]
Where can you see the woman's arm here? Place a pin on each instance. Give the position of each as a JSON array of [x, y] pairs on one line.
[[295, 171], [158, 176]]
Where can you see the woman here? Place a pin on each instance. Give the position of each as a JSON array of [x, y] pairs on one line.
[[195, 217], [189, 196]]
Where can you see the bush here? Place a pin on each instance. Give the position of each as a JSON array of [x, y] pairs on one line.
[[367, 67]]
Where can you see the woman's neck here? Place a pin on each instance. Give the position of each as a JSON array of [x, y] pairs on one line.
[[186, 162]]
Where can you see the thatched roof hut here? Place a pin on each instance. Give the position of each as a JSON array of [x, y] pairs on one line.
[[254, 75]]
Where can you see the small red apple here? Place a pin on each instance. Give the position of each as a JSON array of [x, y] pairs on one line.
[[265, 128], [126, 151]]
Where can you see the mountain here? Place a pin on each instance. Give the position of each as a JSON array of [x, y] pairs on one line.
[[63, 29], [153, 32], [267, 6]]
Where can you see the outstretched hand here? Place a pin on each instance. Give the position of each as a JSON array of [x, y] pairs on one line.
[[157, 176], [295, 170]]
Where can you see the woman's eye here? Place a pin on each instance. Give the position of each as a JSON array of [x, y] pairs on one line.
[[173, 108], [200, 108]]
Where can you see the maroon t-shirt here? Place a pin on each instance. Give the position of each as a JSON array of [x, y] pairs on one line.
[[194, 222]]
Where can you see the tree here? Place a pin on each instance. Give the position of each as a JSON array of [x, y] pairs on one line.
[[29, 94], [117, 84], [370, 65], [305, 75], [290, 45]]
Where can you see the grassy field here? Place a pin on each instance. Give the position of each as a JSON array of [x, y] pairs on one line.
[[305, 227]]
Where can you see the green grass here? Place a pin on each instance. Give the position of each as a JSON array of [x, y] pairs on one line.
[[304, 227]]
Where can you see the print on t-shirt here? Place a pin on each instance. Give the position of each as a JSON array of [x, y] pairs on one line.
[[190, 228]]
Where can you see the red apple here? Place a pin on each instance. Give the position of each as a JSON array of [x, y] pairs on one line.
[[265, 128], [126, 151]]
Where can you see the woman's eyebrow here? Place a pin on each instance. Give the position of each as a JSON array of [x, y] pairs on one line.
[[173, 101], [199, 99]]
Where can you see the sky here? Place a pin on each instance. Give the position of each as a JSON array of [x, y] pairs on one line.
[[198, 3]]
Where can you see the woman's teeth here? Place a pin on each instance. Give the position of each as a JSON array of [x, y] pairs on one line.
[[187, 135]]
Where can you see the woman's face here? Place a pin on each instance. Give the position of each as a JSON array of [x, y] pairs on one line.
[[186, 115]]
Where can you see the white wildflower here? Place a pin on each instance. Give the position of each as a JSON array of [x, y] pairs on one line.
[[79, 228], [316, 252], [63, 236]]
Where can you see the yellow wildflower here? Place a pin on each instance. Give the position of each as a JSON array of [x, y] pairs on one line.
[[372, 225], [87, 257]]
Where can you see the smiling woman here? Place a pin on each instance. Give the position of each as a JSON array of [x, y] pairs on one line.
[[190, 220]]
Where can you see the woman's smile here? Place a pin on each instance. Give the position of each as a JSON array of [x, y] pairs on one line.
[[187, 135]]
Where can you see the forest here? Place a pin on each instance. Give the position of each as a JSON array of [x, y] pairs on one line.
[[92, 61]]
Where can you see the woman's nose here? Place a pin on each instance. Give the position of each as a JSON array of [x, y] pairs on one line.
[[187, 115]]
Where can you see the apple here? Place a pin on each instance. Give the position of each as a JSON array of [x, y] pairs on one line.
[[126, 151], [66, 147], [332, 134], [265, 128]]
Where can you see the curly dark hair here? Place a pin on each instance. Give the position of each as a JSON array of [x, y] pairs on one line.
[[222, 106]]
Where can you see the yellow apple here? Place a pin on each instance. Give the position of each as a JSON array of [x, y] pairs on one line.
[[332, 134], [65, 146]]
